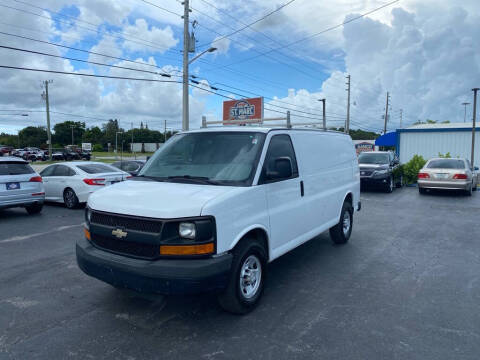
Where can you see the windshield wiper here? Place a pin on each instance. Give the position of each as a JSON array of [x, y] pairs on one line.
[[153, 178], [199, 179]]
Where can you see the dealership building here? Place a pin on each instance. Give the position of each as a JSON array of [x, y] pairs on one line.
[[428, 140]]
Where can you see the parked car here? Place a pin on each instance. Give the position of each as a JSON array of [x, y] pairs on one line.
[[5, 150], [57, 155], [72, 183], [133, 167], [377, 169], [85, 155], [212, 207], [20, 185], [450, 174]]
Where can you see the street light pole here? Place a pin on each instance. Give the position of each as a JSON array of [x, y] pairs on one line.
[[116, 144], [72, 126], [475, 90], [324, 118], [49, 134]]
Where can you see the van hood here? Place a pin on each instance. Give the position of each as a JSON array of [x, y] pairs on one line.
[[155, 199]]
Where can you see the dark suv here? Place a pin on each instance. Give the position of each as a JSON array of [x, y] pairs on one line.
[[377, 169]]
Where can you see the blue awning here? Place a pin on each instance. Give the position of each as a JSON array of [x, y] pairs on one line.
[[389, 139]]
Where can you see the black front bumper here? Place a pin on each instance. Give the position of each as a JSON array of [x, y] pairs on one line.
[[375, 181], [164, 276]]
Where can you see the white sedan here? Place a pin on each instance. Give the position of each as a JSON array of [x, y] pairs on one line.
[[72, 183]]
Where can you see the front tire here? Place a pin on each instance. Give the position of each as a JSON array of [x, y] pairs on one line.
[[247, 279], [390, 185], [70, 199], [341, 232]]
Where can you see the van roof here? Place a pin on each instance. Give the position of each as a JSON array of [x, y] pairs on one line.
[[259, 129]]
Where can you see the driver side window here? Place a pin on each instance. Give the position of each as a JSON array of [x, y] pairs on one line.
[[280, 147]]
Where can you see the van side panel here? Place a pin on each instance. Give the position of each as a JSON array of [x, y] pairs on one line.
[[237, 212], [327, 168]]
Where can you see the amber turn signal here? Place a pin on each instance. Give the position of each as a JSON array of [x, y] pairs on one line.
[[201, 249], [87, 234]]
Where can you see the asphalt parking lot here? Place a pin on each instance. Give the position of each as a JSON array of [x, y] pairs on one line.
[[407, 286]]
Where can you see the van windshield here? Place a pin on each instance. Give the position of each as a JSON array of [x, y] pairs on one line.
[[219, 158]]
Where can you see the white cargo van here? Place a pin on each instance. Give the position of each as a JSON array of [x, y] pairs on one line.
[[213, 206]]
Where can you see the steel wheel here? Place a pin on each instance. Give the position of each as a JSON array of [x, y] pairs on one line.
[[250, 276], [347, 223]]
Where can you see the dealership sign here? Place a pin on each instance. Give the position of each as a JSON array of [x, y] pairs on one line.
[[364, 146], [244, 109]]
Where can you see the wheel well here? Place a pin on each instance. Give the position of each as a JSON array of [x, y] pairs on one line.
[[258, 234], [349, 198]]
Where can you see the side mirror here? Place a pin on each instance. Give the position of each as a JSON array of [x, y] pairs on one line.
[[282, 169]]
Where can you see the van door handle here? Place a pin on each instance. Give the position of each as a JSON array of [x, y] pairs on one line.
[[302, 190]]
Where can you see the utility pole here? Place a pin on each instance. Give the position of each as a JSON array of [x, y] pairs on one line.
[[324, 118], [49, 134], [347, 123], [165, 131], [475, 90], [186, 48], [465, 114], [72, 126], [401, 117], [386, 114]]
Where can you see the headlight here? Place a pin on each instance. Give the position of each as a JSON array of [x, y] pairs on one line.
[[88, 214], [187, 230], [381, 172]]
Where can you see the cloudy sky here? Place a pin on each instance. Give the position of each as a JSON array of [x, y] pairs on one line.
[[426, 53]]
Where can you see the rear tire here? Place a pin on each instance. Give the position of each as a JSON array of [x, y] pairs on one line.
[[469, 191], [34, 208], [422, 191], [247, 278], [70, 199], [341, 232]]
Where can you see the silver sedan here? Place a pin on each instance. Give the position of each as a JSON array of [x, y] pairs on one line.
[[452, 174]]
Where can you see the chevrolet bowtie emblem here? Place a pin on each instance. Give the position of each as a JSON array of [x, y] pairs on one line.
[[119, 233]]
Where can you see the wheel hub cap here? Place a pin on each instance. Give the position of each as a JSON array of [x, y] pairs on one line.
[[250, 276], [346, 223]]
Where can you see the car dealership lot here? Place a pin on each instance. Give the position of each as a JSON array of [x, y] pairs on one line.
[[407, 286]]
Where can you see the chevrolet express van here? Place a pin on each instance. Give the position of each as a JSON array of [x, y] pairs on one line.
[[213, 206]]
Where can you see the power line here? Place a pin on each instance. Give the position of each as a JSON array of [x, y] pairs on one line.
[[314, 35], [246, 46], [84, 61], [251, 24], [81, 50], [87, 75], [89, 29]]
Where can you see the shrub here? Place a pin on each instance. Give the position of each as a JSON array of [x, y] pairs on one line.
[[97, 147], [411, 169], [446, 156]]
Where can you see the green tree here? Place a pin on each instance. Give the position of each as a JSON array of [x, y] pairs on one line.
[[109, 131], [63, 132], [93, 135], [9, 139], [33, 136]]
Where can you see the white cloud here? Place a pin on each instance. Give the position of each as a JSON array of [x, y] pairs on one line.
[[160, 39]]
